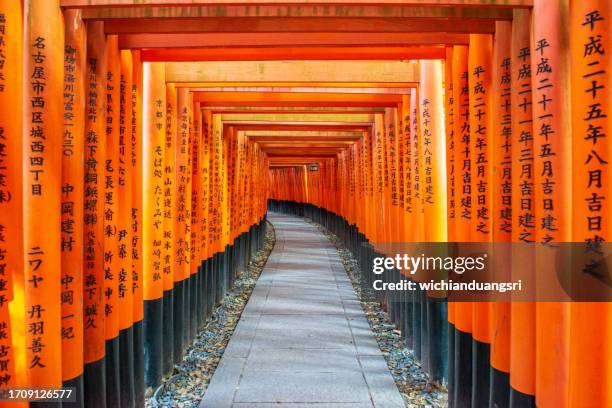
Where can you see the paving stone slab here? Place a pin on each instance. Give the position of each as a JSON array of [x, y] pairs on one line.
[[275, 386]]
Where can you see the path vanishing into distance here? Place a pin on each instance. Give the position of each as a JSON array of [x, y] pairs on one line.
[[303, 339]]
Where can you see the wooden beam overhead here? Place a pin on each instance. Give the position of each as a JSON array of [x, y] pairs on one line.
[[305, 144], [303, 139], [285, 109], [303, 89], [294, 99], [384, 10], [296, 117], [195, 40], [296, 126], [303, 154], [335, 85], [159, 3], [294, 71], [296, 25], [338, 135], [325, 53]]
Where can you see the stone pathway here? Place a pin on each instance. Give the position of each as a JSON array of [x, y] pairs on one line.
[[303, 339]]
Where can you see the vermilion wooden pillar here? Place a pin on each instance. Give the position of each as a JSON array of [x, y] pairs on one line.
[[206, 197], [169, 234], [154, 127], [136, 173], [93, 235], [462, 311], [126, 233], [501, 209], [42, 141], [522, 321], [196, 190], [590, 354], [12, 306], [550, 69], [433, 170], [451, 198], [409, 205], [419, 218], [72, 197], [182, 229], [112, 262], [480, 67]]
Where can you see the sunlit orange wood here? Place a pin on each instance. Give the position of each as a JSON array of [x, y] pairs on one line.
[[501, 204], [106, 3], [522, 321], [111, 172], [479, 83], [182, 228], [192, 40], [42, 140], [196, 188], [170, 141], [293, 99], [313, 72], [93, 279], [417, 182], [136, 172], [125, 189], [590, 355], [552, 149], [463, 170], [297, 25], [73, 194], [12, 306], [432, 137], [154, 126], [328, 10], [206, 185]]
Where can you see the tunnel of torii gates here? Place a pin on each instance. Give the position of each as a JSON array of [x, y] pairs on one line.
[[141, 141]]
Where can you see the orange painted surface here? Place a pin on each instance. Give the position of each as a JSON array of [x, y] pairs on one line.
[[93, 235], [72, 196], [154, 128], [136, 173], [590, 355], [12, 307], [169, 189], [112, 261], [196, 188], [182, 227], [480, 93], [522, 319], [463, 168], [125, 191], [552, 141], [294, 53], [43, 126], [501, 203]]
